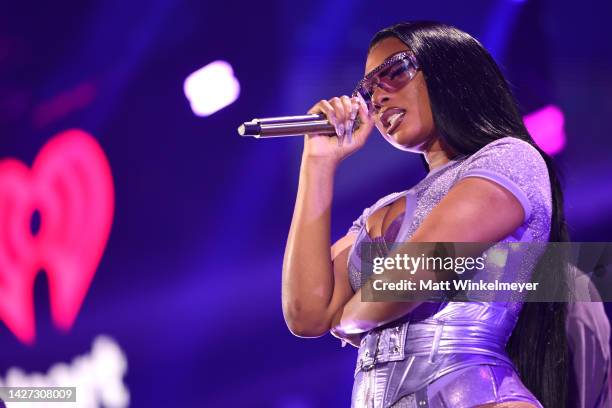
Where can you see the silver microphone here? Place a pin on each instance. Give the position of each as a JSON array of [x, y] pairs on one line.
[[289, 126]]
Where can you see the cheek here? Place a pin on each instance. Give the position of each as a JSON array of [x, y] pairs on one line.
[[425, 110], [420, 119]]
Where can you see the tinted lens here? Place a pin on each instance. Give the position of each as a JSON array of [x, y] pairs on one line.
[[390, 79], [397, 76]]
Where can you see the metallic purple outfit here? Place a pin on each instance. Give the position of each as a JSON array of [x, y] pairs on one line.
[[452, 354]]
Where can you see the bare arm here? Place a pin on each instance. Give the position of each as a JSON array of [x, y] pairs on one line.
[[308, 281], [475, 210], [314, 287]]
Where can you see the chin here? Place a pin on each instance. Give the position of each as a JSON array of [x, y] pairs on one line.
[[403, 141]]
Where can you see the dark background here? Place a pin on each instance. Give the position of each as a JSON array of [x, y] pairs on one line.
[[189, 286]]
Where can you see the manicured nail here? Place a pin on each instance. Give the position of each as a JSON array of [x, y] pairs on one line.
[[349, 132], [332, 120], [354, 110], [340, 129], [363, 103]]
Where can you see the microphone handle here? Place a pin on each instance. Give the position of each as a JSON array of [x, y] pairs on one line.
[[293, 119], [289, 126]]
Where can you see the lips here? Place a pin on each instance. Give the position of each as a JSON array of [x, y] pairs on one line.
[[391, 118]]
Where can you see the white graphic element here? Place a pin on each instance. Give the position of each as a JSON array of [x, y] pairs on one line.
[[211, 88], [98, 378]]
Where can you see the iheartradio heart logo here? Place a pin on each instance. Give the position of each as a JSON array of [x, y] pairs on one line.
[[71, 187]]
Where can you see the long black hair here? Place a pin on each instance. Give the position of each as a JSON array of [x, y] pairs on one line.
[[472, 105]]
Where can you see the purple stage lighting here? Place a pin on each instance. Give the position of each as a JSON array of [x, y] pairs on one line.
[[546, 128]]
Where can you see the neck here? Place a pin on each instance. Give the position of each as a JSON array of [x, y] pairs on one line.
[[437, 154]]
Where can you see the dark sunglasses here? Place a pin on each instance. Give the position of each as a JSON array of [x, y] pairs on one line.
[[392, 75]]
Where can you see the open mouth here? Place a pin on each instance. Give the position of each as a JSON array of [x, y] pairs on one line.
[[394, 120]]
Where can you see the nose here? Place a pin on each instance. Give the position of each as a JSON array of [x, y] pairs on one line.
[[379, 97]]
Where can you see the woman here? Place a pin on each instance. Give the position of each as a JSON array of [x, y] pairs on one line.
[[432, 89]]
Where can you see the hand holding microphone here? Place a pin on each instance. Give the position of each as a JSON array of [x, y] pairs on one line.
[[338, 126], [341, 112]]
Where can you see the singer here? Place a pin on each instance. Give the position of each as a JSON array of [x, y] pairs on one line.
[[433, 90]]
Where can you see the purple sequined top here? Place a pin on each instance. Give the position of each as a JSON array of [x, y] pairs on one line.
[[437, 339]]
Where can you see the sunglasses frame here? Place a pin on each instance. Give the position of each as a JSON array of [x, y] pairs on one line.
[[394, 59]]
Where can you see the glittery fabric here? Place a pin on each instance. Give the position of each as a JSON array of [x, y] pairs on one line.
[[407, 359]]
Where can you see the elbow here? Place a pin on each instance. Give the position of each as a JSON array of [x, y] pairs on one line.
[[303, 324], [306, 330]]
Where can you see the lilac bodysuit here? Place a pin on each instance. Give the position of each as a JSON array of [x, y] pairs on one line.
[[452, 354]]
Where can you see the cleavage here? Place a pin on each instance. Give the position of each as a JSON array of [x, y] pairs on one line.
[[378, 222]]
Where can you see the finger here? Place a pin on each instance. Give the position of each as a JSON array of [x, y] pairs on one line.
[[340, 114], [332, 117], [355, 103], [365, 117], [346, 105], [330, 114], [324, 107], [354, 110], [348, 124], [364, 114]]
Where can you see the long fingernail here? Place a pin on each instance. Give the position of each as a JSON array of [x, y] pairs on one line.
[[341, 129], [363, 103], [349, 130]]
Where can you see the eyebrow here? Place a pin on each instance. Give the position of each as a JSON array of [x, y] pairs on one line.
[[389, 58]]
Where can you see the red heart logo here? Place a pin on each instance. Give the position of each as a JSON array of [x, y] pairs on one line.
[[71, 186]]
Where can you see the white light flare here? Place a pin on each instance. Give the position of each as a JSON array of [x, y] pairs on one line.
[[211, 88]]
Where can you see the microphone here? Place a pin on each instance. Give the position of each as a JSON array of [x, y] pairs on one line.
[[289, 126]]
